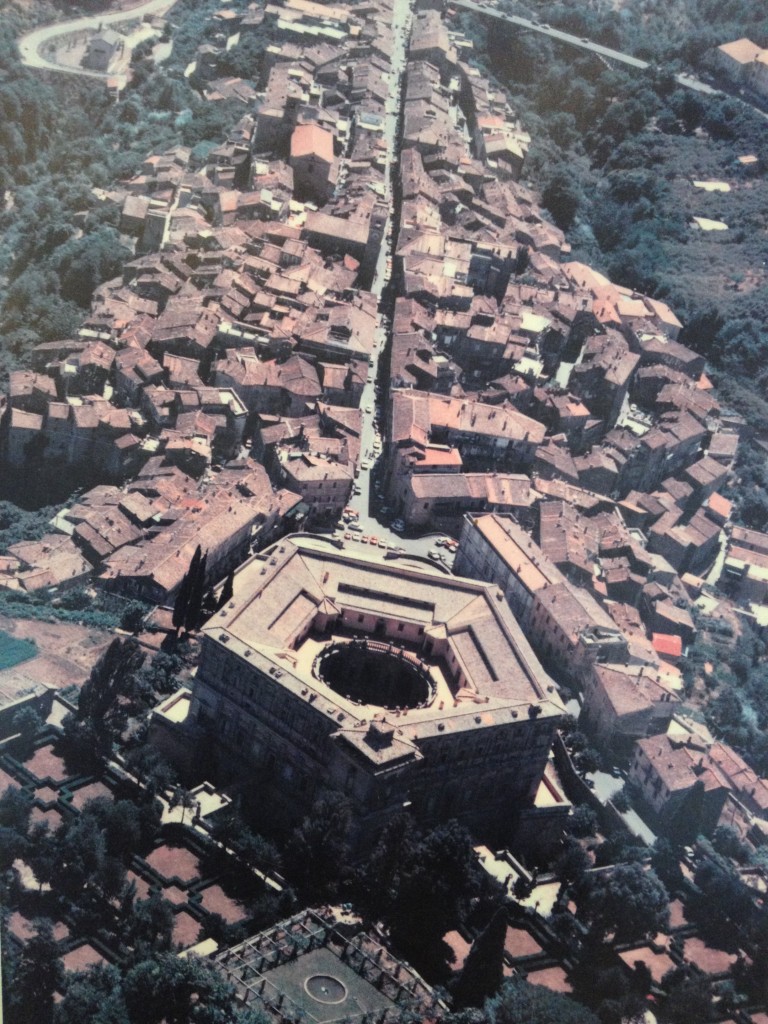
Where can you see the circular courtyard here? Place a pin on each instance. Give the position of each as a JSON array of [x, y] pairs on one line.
[[369, 672]]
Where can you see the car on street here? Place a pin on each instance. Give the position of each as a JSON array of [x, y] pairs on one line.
[[365, 464], [434, 554], [356, 527]]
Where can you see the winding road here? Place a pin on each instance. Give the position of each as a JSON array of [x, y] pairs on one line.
[[31, 45]]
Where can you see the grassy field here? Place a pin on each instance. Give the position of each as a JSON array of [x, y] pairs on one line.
[[14, 651]]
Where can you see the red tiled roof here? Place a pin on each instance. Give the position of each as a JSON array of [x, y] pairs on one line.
[[667, 643]]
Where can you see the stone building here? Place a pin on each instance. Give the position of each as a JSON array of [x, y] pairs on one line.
[[386, 680]]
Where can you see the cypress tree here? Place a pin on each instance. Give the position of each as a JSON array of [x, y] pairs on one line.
[[196, 591], [483, 970], [228, 590], [181, 604]]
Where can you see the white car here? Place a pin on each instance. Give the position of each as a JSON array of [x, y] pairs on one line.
[[365, 464], [369, 408]]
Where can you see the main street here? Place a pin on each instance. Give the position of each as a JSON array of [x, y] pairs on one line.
[[367, 503]]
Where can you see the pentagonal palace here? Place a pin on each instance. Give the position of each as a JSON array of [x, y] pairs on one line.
[[379, 677]]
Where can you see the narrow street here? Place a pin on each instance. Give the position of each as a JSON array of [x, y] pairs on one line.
[[367, 502]]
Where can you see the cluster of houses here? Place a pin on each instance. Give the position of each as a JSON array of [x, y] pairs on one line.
[[244, 316]]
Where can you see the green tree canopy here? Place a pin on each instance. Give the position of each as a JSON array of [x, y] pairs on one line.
[[518, 1002], [629, 901]]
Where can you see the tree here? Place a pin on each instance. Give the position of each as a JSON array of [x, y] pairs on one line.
[[15, 809], [181, 603], [582, 822], [228, 590], [80, 854], [628, 901], [319, 847], [728, 843], [588, 760], [177, 990], [110, 678], [149, 929], [689, 999], [194, 613], [257, 851], [571, 866], [562, 198], [96, 996], [43, 853], [665, 861], [28, 723], [377, 880], [187, 607], [726, 904], [132, 618], [181, 797], [38, 973], [518, 1002], [483, 970]]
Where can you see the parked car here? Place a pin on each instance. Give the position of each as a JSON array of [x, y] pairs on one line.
[[356, 527]]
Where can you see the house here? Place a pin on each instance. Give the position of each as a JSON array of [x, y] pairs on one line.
[[440, 499], [680, 782], [565, 624], [624, 703], [604, 375], [324, 484], [102, 49], [315, 168]]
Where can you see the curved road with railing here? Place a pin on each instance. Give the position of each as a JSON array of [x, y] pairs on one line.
[[31, 45]]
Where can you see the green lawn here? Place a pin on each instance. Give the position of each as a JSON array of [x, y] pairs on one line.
[[13, 651]]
